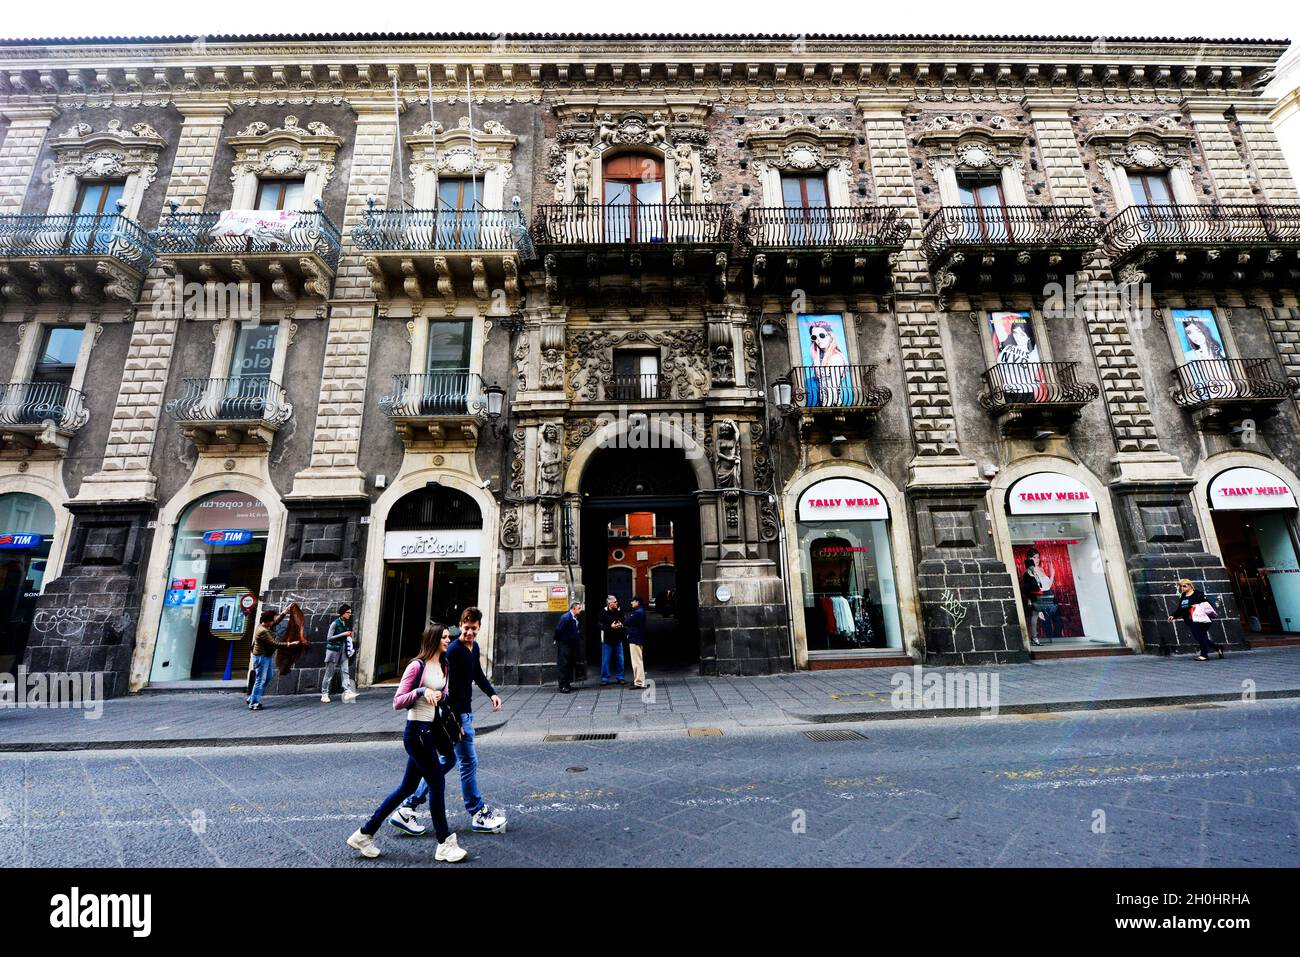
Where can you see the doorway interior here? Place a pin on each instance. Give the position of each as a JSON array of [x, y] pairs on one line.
[[1259, 550]]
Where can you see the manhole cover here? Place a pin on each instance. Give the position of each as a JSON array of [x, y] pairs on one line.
[[833, 734], [552, 738], [704, 732], [577, 768]]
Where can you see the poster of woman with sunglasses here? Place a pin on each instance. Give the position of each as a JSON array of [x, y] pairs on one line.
[[826, 366]]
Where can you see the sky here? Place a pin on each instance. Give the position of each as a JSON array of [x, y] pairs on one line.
[[1242, 18]]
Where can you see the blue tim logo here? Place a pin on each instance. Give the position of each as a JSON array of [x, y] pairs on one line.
[[19, 540], [227, 536]]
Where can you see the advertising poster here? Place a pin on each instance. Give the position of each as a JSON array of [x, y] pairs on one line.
[[1046, 579], [825, 358], [1016, 349], [181, 592], [1198, 334]]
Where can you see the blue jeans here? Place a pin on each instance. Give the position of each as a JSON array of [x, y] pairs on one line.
[[611, 650], [467, 758], [263, 665], [424, 768]]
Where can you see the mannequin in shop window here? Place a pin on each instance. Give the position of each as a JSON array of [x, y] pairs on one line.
[[1036, 587]]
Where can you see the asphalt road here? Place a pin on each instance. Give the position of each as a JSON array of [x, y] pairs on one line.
[[1207, 785]]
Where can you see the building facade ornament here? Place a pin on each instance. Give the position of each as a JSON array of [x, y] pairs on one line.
[[290, 150], [80, 153], [462, 152]]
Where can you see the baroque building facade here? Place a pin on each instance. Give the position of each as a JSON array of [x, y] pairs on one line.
[[838, 351]]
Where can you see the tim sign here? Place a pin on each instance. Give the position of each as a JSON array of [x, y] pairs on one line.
[[19, 540], [227, 536]]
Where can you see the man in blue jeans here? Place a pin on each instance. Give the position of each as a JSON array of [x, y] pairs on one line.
[[611, 641], [464, 670]]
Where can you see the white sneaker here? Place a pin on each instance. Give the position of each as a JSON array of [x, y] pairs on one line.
[[325, 699], [405, 821], [488, 821], [450, 851], [364, 843], [349, 696]]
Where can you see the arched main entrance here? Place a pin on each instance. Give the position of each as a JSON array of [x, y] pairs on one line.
[[639, 519], [26, 535]]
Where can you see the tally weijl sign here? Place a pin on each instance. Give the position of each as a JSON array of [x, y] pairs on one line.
[[1245, 489], [1050, 493], [841, 499]]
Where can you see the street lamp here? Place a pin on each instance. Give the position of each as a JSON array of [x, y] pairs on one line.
[[783, 400], [494, 401]]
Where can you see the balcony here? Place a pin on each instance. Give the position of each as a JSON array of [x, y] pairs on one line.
[[83, 258], [39, 417], [436, 407], [1254, 245], [647, 387], [240, 410], [1029, 397], [583, 247], [1225, 392], [833, 401], [443, 252], [971, 248], [295, 254], [828, 248]]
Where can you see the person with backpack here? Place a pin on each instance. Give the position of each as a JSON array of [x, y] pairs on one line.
[[338, 650], [465, 669], [421, 693], [1195, 609], [634, 625]]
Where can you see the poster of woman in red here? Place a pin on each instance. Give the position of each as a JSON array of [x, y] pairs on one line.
[[1047, 589]]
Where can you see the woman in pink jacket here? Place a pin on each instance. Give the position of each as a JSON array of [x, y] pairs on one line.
[[423, 685]]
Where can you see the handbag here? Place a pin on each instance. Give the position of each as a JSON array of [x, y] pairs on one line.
[[447, 731], [1203, 613]]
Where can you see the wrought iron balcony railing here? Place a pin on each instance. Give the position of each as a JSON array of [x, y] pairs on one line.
[[309, 232], [455, 392], [799, 227], [838, 388], [1206, 382], [633, 388], [1010, 227], [106, 235], [238, 399], [577, 224], [1010, 385], [32, 404], [401, 230], [1210, 225]]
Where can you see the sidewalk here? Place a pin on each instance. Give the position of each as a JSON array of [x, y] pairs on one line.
[[220, 718]]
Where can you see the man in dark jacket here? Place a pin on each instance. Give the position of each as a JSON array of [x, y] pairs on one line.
[[611, 641], [568, 635], [634, 625]]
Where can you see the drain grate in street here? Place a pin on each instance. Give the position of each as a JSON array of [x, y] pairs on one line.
[[704, 732], [552, 738], [833, 734]]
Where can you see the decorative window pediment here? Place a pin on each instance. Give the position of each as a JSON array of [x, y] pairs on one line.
[[802, 145], [1125, 142], [964, 143], [285, 152], [675, 132], [81, 153], [461, 152]]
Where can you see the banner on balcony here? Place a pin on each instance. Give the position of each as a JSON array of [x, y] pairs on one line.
[[1050, 493], [256, 224], [1198, 334], [821, 340], [842, 499], [1016, 348], [1249, 489]]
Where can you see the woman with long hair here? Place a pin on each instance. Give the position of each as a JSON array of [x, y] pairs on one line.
[[829, 383], [1036, 587], [423, 685], [1201, 342]]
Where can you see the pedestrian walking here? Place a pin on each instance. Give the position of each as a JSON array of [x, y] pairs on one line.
[[464, 670], [264, 646], [611, 641], [1195, 609], [634, 625], [568, 636], [338, 651], [420, 694]]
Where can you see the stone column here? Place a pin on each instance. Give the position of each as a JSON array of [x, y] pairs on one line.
[[1219, 147], [28, 126], [954, 567]]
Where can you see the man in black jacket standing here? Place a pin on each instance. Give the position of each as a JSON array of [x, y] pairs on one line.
[[464, 670], [611, 641], [568, 635], [634, 625]]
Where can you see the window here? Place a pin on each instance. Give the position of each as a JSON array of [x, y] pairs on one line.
[[458, 213], [251, 361], [100, 198], [805, 201], [280, 194], [58, 356], [986, 216], [1150, 189], [446, 385], [636, 376], [97, 200], [634, 198]]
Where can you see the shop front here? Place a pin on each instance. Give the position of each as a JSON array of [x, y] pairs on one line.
[[1254, 514], [433, 547], [1057, 563], [850, 597], [211, 592], [26, 536]]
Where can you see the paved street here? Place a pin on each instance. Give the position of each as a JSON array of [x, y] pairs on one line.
[[1205, 784]]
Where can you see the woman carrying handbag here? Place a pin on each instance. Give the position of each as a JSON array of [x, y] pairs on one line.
[[428, 734], [1195, 609]]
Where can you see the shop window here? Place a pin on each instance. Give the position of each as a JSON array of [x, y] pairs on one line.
[[26, 537], [1254, 513], [849, 592]]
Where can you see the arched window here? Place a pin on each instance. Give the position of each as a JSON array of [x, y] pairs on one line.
[[634, 198]]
